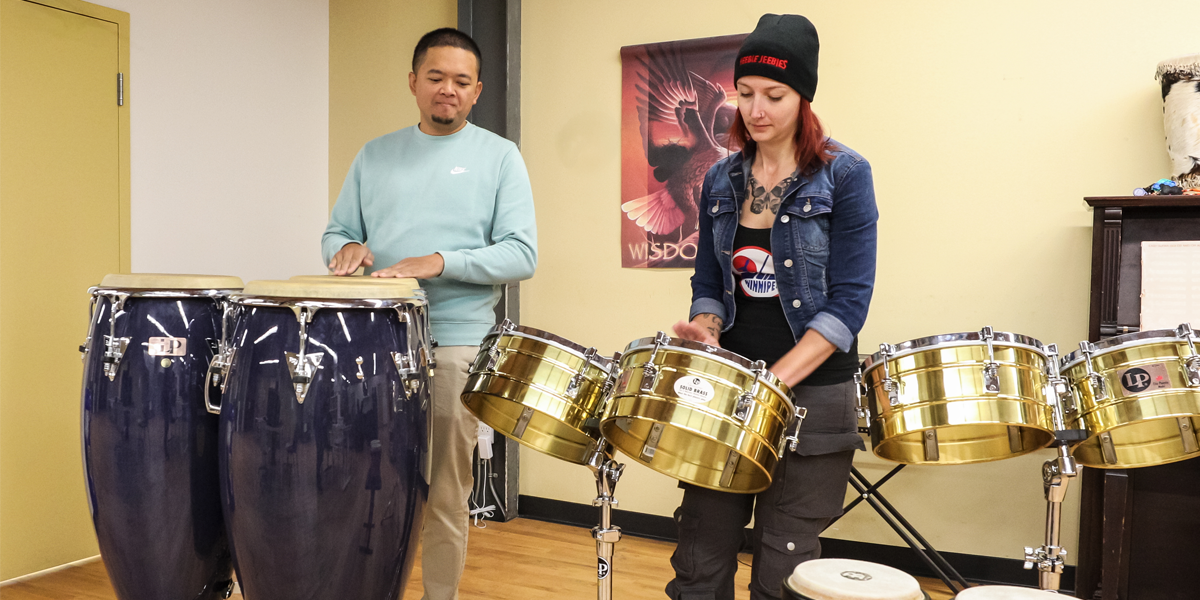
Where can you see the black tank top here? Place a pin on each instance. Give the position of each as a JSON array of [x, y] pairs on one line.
[[760, 329]]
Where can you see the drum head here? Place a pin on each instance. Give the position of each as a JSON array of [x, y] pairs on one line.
[[325, 288], [162, 281], [1004, 592], [357, 280], [845, 579]]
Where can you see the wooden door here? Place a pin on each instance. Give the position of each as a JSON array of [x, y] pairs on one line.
[[63, 225]]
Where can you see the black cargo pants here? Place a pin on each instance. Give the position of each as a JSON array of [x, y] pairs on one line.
[[807, 491]]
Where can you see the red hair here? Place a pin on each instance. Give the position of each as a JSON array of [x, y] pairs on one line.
[[813, 148]]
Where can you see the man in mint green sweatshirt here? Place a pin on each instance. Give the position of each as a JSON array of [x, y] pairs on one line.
[[450, 204]]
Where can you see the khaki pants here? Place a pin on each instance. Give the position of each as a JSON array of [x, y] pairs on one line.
[[447, 515]]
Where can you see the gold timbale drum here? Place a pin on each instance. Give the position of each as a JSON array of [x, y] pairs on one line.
[[958, 398], [539, 389], [700, 414], [1138, 397]]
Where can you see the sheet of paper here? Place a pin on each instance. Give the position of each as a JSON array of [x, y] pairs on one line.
[[1170, 284]]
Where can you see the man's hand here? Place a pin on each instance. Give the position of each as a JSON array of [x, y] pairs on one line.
[[350, 258], [417, 267], [705, 328]]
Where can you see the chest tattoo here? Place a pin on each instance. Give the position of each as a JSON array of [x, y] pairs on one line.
[[761, 199]]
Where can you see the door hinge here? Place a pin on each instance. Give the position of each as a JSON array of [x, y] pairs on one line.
[[120, 89]]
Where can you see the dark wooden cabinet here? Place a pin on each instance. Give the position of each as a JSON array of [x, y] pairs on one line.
[[1139, 529]]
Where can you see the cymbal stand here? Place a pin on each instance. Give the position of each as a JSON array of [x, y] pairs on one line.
[[1056, 474], [607, 472]]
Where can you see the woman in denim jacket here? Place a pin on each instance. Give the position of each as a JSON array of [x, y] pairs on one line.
[[785, 267]]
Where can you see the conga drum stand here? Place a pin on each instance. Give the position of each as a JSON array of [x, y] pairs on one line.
[[607, 472]]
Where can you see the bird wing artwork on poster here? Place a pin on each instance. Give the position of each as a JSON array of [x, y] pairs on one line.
[[676, 112]]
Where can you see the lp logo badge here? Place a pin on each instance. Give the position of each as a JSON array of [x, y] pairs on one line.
[[603, 568], [1136, 380]]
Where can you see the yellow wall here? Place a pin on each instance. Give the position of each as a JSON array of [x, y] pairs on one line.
[[56, 55], [370, 50], [986, 124]]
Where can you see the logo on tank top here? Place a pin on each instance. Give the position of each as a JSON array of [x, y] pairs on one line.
[[755, 269]]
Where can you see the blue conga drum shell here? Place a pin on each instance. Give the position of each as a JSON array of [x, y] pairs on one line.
[[149, 444], [324, 488]]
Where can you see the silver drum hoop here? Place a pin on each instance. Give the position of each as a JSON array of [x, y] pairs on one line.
[[1128, 340], [600, 362], [1000, 339], [287, 302], [721, 355], [164, 293]]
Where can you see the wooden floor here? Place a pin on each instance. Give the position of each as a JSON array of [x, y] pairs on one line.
[[519, 560]]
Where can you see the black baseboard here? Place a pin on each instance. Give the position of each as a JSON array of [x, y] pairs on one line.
[[973, 567]]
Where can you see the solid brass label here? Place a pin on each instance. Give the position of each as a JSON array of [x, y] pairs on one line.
[[694, 389]]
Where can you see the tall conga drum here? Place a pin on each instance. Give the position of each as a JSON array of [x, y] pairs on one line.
[[149, 445], [325, 436]]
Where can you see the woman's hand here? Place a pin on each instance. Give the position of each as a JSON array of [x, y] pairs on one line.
[[704, 328]]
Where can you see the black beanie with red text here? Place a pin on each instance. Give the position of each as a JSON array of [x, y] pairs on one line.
[[783, 48]]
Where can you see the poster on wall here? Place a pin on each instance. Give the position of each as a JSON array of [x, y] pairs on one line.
[[677, 103]]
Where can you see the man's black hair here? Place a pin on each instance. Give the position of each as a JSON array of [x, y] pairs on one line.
[[446, 36]]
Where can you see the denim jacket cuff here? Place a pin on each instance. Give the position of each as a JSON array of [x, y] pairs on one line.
[[834, 330], [707, 305]]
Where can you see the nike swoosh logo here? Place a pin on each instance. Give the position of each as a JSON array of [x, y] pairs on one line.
[[457, 171]]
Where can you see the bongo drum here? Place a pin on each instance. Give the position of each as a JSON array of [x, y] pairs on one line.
[[845, 579], [149, 445], [1138, 396], [324, 437], [1004, 592], [700, 414], [958, 398], [539, 389]]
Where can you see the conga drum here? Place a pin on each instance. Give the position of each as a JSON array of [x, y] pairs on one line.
[[149, 445], [325, 437], [958, 398], [845, 579]]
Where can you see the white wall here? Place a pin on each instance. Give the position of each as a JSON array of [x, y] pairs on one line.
[[230, 135]]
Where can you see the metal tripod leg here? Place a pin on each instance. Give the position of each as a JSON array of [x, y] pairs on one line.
[[607, 473], [870, 490], [932, 559]]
